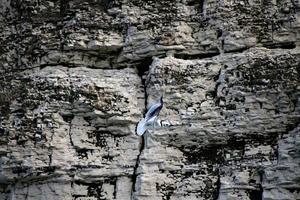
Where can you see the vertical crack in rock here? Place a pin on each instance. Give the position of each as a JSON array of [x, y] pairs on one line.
[[135, 175], [27, 192], [142, 69], [217, 191], [50, 149], [257, 194], [50, 158], [70, 117], [63, 7], [201, 6], [70, 129], [69, 120], [70, 134]]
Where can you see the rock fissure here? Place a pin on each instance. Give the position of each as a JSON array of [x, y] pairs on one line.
[[135, 170], [27, 193], [142, 69], [196, 56], [50, 149], [70, 134], [218, 187], [257, 193], [70, 118]]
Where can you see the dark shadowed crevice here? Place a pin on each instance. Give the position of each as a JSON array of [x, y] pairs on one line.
[[142, 70], [197, 56], [258, 193], [292, 126], [95, 190], [51, 149], [50, 158], [238, 50], [287, 45], [63, 7], [218, 187], [199, 5], [214, 93], [27, 192], [70, 134], [5, 189], [68, 118], [135, 175], [106, 4]]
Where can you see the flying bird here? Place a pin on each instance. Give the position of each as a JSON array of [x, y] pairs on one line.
[[150, 117]]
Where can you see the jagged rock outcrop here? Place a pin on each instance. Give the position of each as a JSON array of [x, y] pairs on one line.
[[76, 77]]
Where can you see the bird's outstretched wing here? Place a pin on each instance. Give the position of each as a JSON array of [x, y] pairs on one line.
[[150, 117], [153, 110], [141, 127]]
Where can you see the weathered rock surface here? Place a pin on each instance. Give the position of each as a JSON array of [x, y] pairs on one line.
[[76, 76]]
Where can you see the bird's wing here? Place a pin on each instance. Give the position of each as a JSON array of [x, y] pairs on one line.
[[152, 110], [141, 127]]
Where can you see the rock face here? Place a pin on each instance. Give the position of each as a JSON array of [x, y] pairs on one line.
[[77, 76]]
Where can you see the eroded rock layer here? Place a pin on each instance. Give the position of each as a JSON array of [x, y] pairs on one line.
[[76, 76]]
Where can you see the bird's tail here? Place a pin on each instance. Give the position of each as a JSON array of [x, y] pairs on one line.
[[141, 127]]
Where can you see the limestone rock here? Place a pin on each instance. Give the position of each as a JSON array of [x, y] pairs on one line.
[[76, 77]]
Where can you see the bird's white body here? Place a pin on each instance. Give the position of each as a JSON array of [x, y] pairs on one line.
[[150, 118], [144, 124]]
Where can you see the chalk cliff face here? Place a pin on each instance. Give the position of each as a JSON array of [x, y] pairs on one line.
[[77, 75]]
